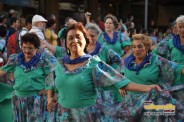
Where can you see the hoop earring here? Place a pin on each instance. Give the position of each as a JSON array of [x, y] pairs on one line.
[[68, 51]]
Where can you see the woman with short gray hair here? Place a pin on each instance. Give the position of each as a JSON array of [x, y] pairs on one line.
[[107, 55]]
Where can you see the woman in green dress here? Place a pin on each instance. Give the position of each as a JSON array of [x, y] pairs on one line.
[[33, 73], [117, 41], [142, 67], [173, 48], [82, 75], [6, 111], [106, 54]]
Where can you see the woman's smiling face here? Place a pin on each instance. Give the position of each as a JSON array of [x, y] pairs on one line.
[[75, 41], [29, 50], [180, 29]]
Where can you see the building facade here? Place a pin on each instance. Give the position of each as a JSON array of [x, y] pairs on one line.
[[161, 11]]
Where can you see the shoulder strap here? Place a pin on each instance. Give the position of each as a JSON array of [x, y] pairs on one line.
[[7, 34], [3, 49], [17, 42]]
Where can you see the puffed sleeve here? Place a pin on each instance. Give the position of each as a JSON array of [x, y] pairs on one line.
[[100, 38], [179, 77], [11, 64], [61, 33], [106, 78], [49, 65], [114, 60], [162, 49], [170, 71], [125, 41], [60, 52]]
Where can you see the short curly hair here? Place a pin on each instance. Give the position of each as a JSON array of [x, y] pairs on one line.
[[31, 38], [145, 40]]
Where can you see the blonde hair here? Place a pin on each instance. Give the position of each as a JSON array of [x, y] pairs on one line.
[[145, 40], [180, 19]]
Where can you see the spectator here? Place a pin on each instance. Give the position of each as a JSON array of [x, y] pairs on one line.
[[61, 35], [152, 36], [3, 42], [13, 27], [13, 13], [38, 26], [50, 35], [3, 20], [85, 74]]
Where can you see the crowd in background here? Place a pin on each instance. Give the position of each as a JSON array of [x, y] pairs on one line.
[[126, 25], [53, 76]]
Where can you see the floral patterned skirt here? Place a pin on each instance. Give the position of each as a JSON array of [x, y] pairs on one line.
[[131, 109], [30, 109]]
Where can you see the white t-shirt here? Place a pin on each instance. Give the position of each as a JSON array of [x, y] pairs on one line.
[[38, 32], [21, 33]]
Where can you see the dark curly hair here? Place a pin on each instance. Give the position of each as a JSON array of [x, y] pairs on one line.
[[78, 26], [50, 23], [31, 38]]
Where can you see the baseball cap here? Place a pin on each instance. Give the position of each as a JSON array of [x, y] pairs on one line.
[[2, 16], [12, 11], [38, 18]]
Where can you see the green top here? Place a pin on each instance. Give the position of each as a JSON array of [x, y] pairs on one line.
[[6, 91], [166, 49], [78, 88], [108, 56], [59, 51], [105, 54], [61, 33], [6, 113], [6, 110], [176, 54], [29, 82], [119, 46], [157, 71]]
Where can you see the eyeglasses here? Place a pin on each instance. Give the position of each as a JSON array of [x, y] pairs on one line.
[[28, 49]]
